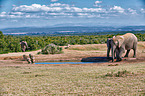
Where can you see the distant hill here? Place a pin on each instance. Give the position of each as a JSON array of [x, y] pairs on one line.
[[71, 30]]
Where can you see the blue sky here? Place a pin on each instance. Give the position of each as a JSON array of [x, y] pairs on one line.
[[39, 13]]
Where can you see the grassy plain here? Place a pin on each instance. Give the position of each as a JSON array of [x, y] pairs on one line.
[[118, 78], [72, 80]]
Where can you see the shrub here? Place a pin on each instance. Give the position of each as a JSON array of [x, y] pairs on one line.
[[120, 74], [52, 49]]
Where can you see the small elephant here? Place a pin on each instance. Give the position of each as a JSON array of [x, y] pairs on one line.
[[109, 46], [26, 58], [29, 59], [127, 41], [24, 45], [32, 58]]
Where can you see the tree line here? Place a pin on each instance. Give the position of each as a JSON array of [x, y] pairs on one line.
[[10, 43]]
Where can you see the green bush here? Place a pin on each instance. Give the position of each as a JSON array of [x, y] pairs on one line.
[[52, 49], [9, 43]]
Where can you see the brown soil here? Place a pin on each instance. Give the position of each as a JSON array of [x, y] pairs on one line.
[[69, 54]]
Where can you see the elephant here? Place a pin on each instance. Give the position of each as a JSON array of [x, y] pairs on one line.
[[109, 46], [121, 43], [29, 59], [32, 58], [26, 58], [24, 45]]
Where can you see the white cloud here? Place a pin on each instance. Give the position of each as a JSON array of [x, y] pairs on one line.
[[17, 13], [83, 14], [60, 14], [94, 10], [54, 0], [96, 3], [33, 7], [142, 10], [117, 9], [59, 9], [2, 14], [58, 4], [132, 11], [76, 9], [37, 8], [13, 16]]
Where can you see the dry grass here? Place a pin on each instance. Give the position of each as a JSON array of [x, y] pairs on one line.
[[88, 47], [19, 78], [71, 80]]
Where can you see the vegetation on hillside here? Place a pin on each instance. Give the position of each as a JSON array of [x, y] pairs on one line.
[[9, 43]]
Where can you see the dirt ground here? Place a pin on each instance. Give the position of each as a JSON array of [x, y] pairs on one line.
[[89, 52]]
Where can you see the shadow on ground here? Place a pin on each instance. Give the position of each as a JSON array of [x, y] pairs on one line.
[[95, 59]]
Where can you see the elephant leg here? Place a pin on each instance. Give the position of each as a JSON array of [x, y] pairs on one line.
[[134, 49], [24, 49], [117, 54], [114, 53], [134, 56], [108, 52], [127, 53]]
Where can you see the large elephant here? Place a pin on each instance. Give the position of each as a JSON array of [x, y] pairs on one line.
[[120, 43], [110, 46], [24, 45]]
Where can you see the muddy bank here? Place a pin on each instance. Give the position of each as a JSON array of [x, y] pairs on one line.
[[74, 53]]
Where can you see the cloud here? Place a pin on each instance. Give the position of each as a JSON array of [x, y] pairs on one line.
[[2, 14], [58, 4], [132, 11], [37, 8], [142, 10], [58, 7], [66, 10], [54, 0], [96, 3], [17, 13], [94, 10], [117, 9]]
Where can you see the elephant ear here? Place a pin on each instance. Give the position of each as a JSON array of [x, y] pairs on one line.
[[114, 39], [120, 41]]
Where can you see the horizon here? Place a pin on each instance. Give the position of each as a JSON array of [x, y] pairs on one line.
[[53, 13], [100, 26]]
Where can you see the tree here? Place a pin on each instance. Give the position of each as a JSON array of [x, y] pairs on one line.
[[1, 35]]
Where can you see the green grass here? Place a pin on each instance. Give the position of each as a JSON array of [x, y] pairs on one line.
[[72, 80]]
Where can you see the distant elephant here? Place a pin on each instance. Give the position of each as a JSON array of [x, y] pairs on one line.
[[24, 45], [120, 43]]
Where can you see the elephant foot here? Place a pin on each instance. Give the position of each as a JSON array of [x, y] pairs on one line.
[[119, 60], [125, 56]]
